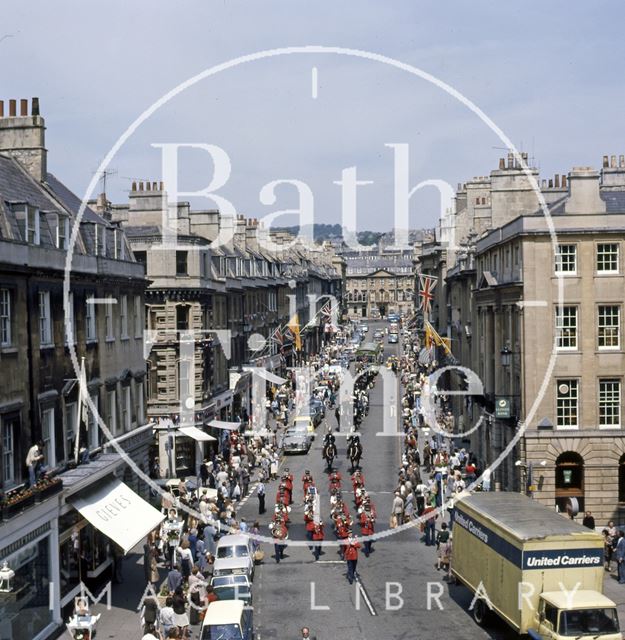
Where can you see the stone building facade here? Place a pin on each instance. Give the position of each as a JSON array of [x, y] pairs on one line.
[[379, 282], [556, 363]]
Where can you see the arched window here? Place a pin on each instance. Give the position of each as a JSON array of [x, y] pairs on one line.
[[569, 479], [621, 479]]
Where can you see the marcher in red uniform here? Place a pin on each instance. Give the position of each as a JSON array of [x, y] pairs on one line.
[[310, 525], [351, 555], [367, 523], [317, 536], [289, 483], [307, 481], [335, 480]]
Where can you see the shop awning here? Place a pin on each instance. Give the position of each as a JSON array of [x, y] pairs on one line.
[[119, 513], [197, 434], [222, 424], [267, 375]]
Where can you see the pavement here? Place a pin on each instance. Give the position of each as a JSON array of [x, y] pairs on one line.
[[394, 597]]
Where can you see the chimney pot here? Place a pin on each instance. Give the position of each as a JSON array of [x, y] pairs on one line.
[[524, 156], [23, 107], [12, 108], [502, 163], [1, 108], [134, 186], [556, 181], [140, 185], [621, 161], [605, 162], [155, 186], [564, 180], [161, 186], [613, 162], [510, 160], [34, 110], [551, 183], [544, 184]]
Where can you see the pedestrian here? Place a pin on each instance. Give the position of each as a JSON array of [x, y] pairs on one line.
[[608, 549], [588, 521], [430, 516], [441, 540], [181, 617], [166, 616], [174, 579], [351, 556], [150, 633], [260, 492], [280, 533], [397, 509], [306, 634], [186, 559], [620, 557]]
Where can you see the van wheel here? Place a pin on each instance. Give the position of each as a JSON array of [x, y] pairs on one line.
[[480, 612]]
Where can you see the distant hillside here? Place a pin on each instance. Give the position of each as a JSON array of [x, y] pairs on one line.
[[323, 232]]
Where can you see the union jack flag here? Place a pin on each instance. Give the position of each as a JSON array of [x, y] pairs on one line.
[[427, 284], [277, 337]]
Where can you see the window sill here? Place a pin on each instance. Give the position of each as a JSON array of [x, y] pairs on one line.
[[42, 347], [8, 350], [125, 338], [109, 340], [610, 350], [91, 341]]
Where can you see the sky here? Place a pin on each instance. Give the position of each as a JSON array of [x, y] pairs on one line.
[[547, 74]]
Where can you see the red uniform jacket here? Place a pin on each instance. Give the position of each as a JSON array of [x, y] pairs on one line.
[[351, 551]]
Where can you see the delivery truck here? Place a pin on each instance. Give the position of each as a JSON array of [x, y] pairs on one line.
[[539, 571]]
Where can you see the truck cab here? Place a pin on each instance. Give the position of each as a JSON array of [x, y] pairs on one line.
[[580, 614]]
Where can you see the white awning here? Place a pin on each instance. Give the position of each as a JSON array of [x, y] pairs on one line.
[[197, 434], [267, 375], [119, 513], [221, 424]]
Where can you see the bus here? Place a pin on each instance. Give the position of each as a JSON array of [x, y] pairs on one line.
[[369, 352]]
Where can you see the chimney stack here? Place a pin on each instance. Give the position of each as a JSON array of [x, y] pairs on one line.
[[24, 138], [584, 195]]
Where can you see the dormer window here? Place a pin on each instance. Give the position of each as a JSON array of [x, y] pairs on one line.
[[59, 227], [27, 218]]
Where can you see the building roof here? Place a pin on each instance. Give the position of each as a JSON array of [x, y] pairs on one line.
[[72, 201], [524, 518]]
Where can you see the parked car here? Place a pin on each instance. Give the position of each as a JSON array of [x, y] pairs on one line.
[[392, 338], [317, 411], [234, 556], [363, 328], [228, 619]]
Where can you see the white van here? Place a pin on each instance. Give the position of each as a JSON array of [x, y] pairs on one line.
[[228, 620]]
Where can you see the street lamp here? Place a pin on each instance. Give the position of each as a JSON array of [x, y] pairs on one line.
[[506, 356]]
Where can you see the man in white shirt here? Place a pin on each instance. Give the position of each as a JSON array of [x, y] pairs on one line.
[[34, 461]]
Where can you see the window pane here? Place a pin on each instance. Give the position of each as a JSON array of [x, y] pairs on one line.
[[567, 403], [609, 403], [607, 257], [566, 258], [566, 327], [5, 317], [609, 326]]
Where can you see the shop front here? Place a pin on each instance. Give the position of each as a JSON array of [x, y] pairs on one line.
[[182, 449], [29, 553]]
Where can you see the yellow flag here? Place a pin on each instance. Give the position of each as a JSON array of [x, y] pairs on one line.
[[294, 327], [428, 336]]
